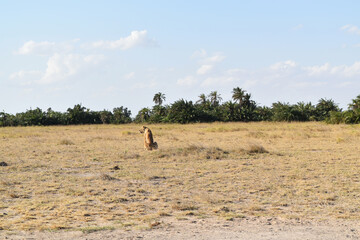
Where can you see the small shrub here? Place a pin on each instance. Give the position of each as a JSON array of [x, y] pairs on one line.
[[215, 153], [126, 133], [107, 177], [256, 148], [256, 134], [184, 207], [3, 164], [96, 229], [256, 208], [335, 118], [66, 142], [199, 151], [14, 195], [157, 178], [154, 224], [164, 214]]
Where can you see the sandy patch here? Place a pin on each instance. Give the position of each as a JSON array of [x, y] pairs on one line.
[[251, 229]]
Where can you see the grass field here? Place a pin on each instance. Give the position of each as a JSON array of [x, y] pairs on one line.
[[100, 177]]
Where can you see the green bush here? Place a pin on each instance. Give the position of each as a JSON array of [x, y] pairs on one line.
[[207, 109]]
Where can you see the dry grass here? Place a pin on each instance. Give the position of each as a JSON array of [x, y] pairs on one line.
[[257, 148], [93, 178]]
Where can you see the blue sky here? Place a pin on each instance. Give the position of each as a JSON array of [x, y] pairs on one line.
[[106, 54]]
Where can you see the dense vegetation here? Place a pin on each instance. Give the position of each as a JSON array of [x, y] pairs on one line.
[[209, 108]]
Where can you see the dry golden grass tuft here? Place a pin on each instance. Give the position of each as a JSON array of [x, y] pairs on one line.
[[99, 177], [194, 150], [66, 142], [257, 148]]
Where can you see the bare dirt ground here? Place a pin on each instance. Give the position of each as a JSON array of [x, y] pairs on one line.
[[192, 228]]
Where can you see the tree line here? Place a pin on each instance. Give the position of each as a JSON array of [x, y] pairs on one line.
[[208, 108]]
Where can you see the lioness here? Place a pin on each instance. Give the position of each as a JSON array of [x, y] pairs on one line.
[[149, 143]]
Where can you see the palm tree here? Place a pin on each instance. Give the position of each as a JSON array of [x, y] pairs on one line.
[[159, 98], [355, 103], [238, 95], [324, 107], [143, 115], [202, 99], [304, 111], [246, 99], [215, 98]]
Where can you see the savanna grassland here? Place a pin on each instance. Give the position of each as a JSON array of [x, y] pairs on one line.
[[95, 177]]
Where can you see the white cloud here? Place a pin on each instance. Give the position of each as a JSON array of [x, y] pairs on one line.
[[136, 38], [142, 85], [235, 71], [203, 56], [218, 57], [311, 84], [347, 71], [341, 70], [45, 48], [38, 48], [26, 78], [187, 81], [105, 92], [217, 81], [283, 66], [351, 29], [61, 63], [24, 74], [298, 27], [61, 66], [130, 75], [317, 70], [345, 84], [199, 54], [204, 69], [207, 63]]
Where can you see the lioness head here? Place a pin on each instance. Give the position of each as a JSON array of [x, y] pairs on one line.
[[142, 130]]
